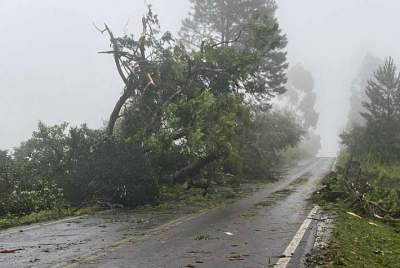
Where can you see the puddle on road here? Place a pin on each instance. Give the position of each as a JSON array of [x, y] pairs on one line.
[[274, 198], [269, 201], [277, 196]]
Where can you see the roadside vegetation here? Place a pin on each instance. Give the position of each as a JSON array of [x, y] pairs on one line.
[[365, 188], [194, 110]]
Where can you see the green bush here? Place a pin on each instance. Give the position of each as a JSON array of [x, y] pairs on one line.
[[44, 196], [121, 173], [370, 188]]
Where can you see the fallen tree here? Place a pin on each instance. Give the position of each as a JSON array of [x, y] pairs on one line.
[[363, 192]]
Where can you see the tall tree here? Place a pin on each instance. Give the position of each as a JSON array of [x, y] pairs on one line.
[[222, 20], [244, 25], [187, 105], [369, 64], [383, 92], [382, 112], [302, 96]]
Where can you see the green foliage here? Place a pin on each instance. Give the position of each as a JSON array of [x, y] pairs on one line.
[[34, 217], [358, 90], [379, 138], [43, 196], [270, 134], [7, 175], [193, 115], [184, 115], [221, 20], [201, 237], [8, 220], [248, 27], [368, 187], [301, 98], [357, 243], [121, 173], [86, 164], [58, 154]]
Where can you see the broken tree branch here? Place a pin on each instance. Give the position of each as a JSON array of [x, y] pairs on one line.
[[116, 53]]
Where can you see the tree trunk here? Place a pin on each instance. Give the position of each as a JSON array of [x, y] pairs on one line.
[[115, 113], [195, 167]]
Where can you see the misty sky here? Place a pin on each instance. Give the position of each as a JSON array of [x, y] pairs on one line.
[[50, 69]]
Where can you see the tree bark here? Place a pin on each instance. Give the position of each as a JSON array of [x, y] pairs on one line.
[[115, 113], [193, 168]]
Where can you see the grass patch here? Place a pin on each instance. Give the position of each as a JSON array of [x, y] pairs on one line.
[[46, 215], [365, 242], [201, 237], [360, 243]]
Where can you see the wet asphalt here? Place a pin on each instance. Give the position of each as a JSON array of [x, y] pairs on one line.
[[251, 232]]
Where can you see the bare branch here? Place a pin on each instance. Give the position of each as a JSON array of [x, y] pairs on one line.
[[98, 29], [228, 42], [116, 54]]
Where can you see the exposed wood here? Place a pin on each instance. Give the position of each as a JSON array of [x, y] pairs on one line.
[[115, 113], [116, 55], [192, 169]]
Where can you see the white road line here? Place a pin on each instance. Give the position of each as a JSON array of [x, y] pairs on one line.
[[289, 251]]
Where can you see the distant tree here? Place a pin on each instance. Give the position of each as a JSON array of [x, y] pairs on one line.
[[270, 134], [358, 95], [302, 96]]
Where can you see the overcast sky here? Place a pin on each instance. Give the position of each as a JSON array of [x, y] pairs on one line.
[[50, 69]]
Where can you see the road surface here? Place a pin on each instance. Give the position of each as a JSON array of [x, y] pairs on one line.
[[252, 232]]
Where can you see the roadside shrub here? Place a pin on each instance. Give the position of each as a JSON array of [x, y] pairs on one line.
[[366, 188], [7, 176], [44, 196], [86, 164], [121, 173]]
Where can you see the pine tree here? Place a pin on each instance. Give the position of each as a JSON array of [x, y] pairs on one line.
[[245, 25], [358, 95], [383, 93], [383, 112], [222, 20]]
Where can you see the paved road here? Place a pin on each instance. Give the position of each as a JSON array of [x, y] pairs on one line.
[[252, 232]]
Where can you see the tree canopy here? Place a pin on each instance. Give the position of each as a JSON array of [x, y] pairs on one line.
[[380, 136]]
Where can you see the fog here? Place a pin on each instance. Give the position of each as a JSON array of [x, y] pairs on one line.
[[50, 69]]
